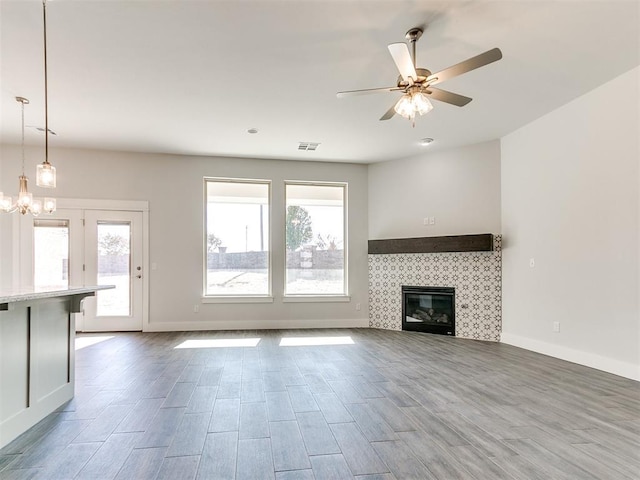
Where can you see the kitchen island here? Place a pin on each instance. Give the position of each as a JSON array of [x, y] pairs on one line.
[[37, 335]]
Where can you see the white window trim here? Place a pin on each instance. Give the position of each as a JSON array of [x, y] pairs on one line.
[[316, 299]]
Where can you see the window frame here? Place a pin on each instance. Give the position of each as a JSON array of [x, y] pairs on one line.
[[319, 297], [239, 298]]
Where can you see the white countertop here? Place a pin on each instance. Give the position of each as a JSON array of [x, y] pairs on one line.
[[30, 293]]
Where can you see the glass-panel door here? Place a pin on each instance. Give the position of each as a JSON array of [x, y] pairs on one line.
[[113, 256], [50, 253]]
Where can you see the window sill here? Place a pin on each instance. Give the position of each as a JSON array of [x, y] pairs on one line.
[[238, 299], [316, 298]]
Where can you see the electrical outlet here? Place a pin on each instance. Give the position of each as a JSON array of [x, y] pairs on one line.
[[357, 306], [196, 308], [425, 221], [432, 220], [532, 262], [556, 327]]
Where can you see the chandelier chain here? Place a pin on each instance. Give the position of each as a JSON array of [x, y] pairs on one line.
[[22, 109], [46, 99]]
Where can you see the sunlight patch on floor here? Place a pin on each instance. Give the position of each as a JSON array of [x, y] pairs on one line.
[[310, 341], [82, 342], [219, 343]]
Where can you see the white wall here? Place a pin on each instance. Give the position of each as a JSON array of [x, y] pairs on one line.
[[570, 199], [173, 185], [459, 187]]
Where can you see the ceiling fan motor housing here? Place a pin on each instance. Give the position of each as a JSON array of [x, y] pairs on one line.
[[423, 73]]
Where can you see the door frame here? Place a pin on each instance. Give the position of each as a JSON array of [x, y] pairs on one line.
[[130, 321], [23, 261]]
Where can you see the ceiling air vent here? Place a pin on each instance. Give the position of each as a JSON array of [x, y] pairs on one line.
[[308, 146]]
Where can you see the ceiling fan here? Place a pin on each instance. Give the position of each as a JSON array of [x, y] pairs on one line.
[[417, 84]]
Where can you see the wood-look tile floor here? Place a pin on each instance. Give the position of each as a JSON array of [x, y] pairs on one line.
[[392, 405]]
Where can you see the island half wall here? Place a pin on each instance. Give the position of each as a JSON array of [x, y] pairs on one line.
[[37, 334]]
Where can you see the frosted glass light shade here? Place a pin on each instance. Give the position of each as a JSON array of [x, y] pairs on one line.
[[5, 202], [49, 205], [404, 107], [46, 175], [25, 199], [36, 207], [421, 103], [412, 103]]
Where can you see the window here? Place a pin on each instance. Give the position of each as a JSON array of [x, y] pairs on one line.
[[50, 253], [315, 239], [237, 238]]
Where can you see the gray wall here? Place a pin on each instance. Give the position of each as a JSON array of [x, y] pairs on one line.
[[460, 188], [570, 201], [173, 185]]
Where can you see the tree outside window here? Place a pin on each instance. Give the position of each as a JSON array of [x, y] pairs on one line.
[[299, 229]]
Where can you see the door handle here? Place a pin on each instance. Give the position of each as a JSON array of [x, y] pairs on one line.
[[138, 276]]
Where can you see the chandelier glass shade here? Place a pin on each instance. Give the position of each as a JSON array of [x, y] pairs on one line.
[[46, 175]]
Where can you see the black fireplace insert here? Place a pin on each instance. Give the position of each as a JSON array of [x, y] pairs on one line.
[[429, 309]]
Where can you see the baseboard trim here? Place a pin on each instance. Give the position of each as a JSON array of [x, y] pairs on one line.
[[623, 369], [255, 324]]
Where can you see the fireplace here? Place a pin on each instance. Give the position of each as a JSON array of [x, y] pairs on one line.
[[429, 309]]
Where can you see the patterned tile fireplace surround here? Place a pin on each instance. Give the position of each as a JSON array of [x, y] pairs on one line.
[[476, 277]]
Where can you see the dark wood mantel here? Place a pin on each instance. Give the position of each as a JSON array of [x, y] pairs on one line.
[[482, 242]]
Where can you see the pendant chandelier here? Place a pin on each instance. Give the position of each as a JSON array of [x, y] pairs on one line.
[[25, 202], [45, 172]]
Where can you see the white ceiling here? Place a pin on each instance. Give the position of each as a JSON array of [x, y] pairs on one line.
[[190, 77]]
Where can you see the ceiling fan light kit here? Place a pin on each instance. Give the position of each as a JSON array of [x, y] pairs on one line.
[[412, 103], [417, 83]]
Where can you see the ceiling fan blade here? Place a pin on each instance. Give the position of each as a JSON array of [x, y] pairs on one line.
[[402, 58], [472, 63], [366, 91], [447, 97], [390, 113]]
